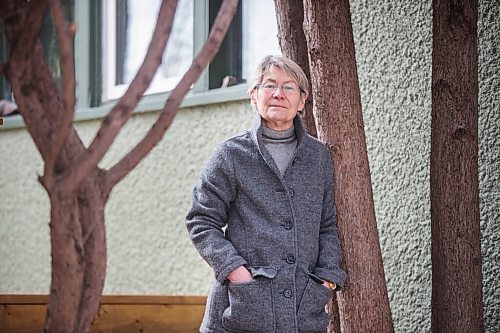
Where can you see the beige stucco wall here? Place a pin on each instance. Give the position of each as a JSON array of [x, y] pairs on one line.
[[393, 46], [149, 252]]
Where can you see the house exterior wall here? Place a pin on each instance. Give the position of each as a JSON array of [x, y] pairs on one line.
[[149, 251]]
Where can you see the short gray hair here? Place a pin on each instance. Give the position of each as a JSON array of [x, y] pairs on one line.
[[287, 65]]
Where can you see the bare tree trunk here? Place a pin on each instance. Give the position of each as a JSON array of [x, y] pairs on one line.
[[363, 303], [290, 15], [91, 203], [456, 239], [67, 264], [78, 257], [78, 189]]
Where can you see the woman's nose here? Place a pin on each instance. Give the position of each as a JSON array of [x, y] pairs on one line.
[[278, 93]]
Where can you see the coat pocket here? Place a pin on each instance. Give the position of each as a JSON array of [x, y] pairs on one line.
[[216, 303], [311, 315], [251, 303]]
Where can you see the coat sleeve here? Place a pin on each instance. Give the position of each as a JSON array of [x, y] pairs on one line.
[[330, 250], [212, 198]]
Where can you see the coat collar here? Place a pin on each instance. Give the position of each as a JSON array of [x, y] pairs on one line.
[[256, 130]]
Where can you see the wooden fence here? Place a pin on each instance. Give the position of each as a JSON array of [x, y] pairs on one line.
[[124, 314]]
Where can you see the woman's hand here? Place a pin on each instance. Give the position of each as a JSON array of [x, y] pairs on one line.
[[239, 275]]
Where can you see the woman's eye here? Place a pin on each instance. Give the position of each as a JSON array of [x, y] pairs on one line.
[[269, 86]]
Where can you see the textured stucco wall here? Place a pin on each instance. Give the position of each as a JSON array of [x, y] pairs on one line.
[[24, 217], [149, 252], [489, 158], [393, 51], [148, 248]]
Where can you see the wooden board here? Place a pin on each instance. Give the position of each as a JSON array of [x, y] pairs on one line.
[[124, 314]]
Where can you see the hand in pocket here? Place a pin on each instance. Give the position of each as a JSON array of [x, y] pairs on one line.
[[240, 275]]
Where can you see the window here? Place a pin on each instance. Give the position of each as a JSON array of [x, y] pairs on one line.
[[252, 35], [128, 26], [48, 37], [127, 29], [259, 34]]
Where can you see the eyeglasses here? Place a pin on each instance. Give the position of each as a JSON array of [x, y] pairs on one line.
[[288, 88]]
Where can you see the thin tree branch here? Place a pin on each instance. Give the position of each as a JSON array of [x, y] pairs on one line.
[[65, 34], [155, 134], [123, 109], [26, 70], [29, 105], [29, 29]]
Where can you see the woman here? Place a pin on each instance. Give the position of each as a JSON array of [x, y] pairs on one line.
[[263, 216]]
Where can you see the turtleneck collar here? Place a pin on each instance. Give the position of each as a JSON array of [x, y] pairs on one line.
[[257, 128], [285, 136]]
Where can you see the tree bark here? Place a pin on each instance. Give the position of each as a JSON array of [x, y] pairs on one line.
[[67, 264], [363, 302], [456, 239], [333, 315], [78, 258], [293, 44], [91, 202]]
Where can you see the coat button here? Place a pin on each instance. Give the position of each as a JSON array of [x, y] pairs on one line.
[[290, 259], [287, 293], [291, 192], [288, 225]]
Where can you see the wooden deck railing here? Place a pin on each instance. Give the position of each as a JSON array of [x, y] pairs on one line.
[[124, 314]]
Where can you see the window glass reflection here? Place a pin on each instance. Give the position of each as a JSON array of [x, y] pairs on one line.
[[260, 34], [141, 20]]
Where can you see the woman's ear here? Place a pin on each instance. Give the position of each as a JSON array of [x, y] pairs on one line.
[[253, 98], [303, 99]]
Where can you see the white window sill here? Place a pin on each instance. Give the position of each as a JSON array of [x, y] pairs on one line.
[[148, 104]]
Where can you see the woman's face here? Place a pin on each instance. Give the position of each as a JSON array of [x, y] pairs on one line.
[[278, 98]]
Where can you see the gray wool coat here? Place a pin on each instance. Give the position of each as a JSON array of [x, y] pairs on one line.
[[282, 228]]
